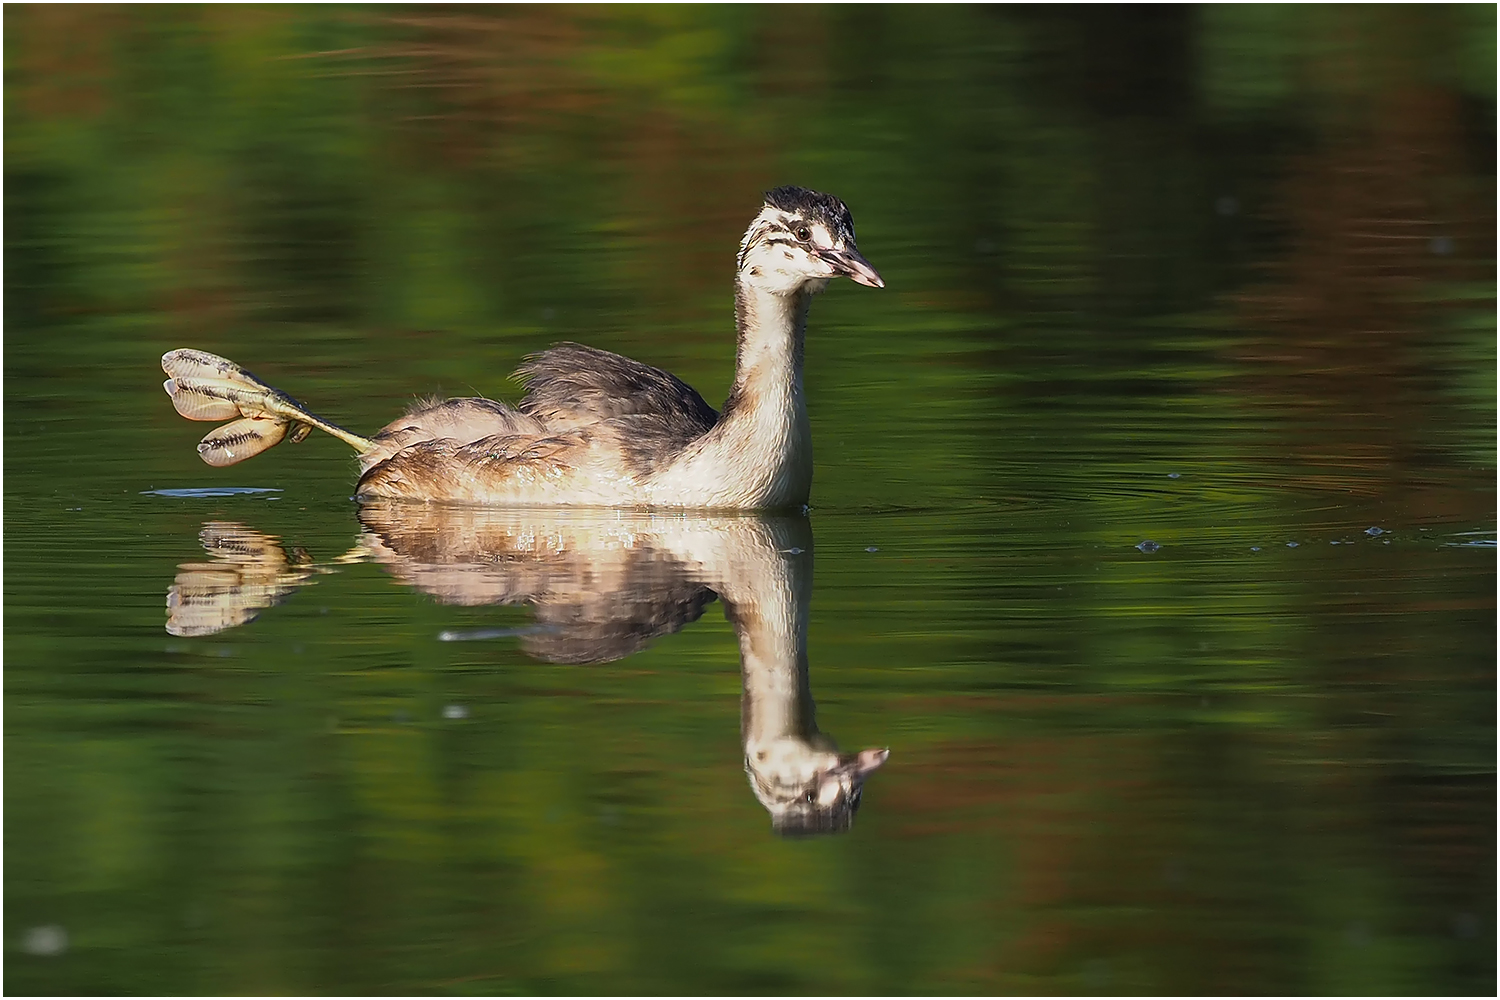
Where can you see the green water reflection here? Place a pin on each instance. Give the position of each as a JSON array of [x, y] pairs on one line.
[[1221, 279]]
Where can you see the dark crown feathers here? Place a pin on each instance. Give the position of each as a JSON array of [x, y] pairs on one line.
[[824, 208]]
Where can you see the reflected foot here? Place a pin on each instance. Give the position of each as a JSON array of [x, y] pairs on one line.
[[250, 571]]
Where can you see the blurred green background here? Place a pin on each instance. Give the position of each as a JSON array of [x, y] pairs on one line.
[[1222, 278]]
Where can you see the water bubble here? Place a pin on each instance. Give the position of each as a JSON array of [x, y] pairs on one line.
[[455, 712], [47, 940], [1255, 548], [872, 548], [1174, 475], [1149, 546], [1291, 545], [1373, 531]]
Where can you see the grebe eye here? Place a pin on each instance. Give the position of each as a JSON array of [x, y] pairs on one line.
[[804, 234]]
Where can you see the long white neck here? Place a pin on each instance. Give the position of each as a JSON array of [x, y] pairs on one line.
[[771, 330], [759, 454]]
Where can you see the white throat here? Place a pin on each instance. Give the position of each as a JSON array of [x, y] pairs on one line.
[[760, 452]]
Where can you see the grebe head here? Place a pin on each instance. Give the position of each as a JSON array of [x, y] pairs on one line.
[[800, 240], [809, 794]]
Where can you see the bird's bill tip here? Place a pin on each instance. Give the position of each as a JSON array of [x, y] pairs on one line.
[[850, 262]]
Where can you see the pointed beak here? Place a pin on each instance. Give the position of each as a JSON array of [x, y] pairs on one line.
[[849, 262], [861, 764], [869, 760]]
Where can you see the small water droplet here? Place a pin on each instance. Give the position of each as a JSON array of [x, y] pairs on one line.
[[1149, 546], [48, 940]]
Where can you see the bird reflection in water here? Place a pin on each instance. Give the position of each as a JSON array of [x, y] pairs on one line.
[[249, 572], [603, 584]]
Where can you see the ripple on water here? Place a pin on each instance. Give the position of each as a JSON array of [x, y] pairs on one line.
[[211, 491]]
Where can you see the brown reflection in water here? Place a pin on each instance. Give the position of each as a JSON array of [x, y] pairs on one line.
[[603, 585], [1189, 864], [488, 89], [1390, 210]]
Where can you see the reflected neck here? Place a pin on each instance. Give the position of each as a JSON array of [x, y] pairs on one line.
[[766, 599]]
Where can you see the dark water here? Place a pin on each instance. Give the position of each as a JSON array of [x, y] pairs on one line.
[[1219, 280]]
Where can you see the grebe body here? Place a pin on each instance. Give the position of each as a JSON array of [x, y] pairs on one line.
[[594, 428]]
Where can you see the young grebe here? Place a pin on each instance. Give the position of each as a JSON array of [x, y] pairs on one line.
[[594, 428]]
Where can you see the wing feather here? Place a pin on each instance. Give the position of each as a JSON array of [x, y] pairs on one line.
[[651, 414]]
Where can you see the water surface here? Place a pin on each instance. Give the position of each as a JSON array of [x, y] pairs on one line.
[[1220, 280]]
